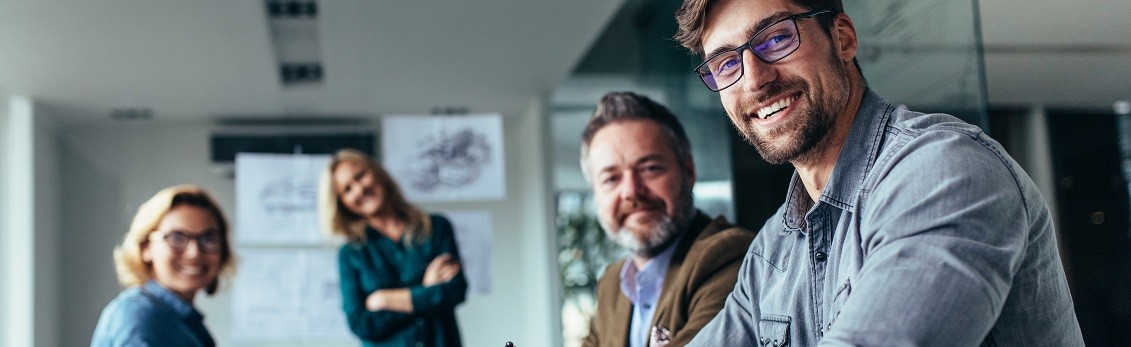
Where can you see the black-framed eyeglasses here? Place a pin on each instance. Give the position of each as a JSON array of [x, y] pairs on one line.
[[207, 242], [770, 44]]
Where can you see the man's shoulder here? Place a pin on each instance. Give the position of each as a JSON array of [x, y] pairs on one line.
[[721, 234], [922, 141], [609, 284], [906, 122], [720, 244], [612, 271]]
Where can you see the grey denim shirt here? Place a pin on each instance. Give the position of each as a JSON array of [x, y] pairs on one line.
[[928, 233]]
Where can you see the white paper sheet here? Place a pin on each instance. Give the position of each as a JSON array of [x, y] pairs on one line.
[[288, 294], [445, 158], [276, 198], [473, 236]]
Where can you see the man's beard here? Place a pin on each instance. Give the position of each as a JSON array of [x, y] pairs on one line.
[[809, 126], [664, 228]]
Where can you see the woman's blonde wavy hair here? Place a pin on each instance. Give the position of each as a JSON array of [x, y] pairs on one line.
[[337, 220], [132, 270]]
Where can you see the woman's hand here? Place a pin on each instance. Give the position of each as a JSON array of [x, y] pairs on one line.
[[440, 270], [397, 299]]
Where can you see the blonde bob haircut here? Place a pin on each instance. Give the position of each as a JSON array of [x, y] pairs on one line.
[[337, 220], [132, 270]]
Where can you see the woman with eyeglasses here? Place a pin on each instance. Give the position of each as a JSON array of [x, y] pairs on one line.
[[177, 245], [400, 270]]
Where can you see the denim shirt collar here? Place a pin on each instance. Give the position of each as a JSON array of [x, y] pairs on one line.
[[166, 297], [856, 157]]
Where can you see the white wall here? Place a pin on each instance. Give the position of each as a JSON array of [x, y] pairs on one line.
[[108, 169], [47, 232]]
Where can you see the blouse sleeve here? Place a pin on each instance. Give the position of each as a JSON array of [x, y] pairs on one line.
[[444, 296], [369, 325]]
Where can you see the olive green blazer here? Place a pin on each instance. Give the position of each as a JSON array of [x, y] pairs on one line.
[[701, 275]]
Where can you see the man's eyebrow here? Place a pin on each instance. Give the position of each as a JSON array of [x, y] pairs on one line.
[[649, 158], [606, 169], [762, 24]]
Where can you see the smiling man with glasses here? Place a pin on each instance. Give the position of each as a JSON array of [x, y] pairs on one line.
[[898, 228]]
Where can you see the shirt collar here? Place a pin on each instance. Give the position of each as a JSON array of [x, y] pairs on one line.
[[657, 267], [171, 300], [856, 157]]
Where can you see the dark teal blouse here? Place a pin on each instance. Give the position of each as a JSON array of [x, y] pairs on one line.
[[381, 263]]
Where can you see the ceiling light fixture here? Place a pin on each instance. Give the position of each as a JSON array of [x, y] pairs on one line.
[[294, 35], [1122, 107]]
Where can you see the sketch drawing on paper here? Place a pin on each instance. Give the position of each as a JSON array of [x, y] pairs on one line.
[[446, 158], [449, 159]]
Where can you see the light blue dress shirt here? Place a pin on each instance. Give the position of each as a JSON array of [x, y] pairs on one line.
[[643, 287], [927, 234]]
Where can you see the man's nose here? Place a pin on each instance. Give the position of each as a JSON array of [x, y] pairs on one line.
[[631, 186], [755, 72]]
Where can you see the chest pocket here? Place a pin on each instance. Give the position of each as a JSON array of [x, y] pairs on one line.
[[774, 331]]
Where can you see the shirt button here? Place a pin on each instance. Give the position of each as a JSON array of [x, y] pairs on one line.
[[820, 256]]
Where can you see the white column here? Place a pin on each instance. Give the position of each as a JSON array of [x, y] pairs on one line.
[[18, 248], [539, 247]]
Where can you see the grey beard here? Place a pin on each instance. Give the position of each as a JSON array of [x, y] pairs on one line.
[[657, 239], [661, 236]]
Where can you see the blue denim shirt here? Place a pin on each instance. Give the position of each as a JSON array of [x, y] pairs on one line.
[[150, 315], [928, 233]]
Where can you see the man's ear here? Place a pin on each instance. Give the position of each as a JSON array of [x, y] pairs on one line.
[[844, 37]]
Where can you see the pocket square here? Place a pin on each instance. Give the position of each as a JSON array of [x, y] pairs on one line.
[[661, 336]]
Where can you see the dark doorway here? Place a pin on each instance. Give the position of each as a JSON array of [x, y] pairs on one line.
[[1093, 210]]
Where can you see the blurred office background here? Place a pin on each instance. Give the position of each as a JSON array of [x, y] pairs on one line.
[[104, 103]]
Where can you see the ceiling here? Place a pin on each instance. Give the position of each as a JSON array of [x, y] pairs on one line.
[[214, 59], [207, 60], [1057, 53]]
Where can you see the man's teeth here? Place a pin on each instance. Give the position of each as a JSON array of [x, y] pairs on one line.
[[768, 111]]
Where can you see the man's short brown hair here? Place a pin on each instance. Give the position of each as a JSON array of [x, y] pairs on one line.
[[692, 18], [617, 107]]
